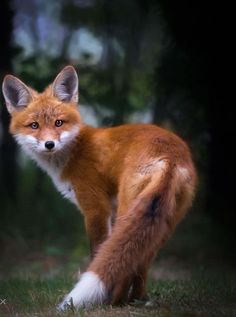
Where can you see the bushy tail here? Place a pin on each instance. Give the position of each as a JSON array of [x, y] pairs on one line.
[[136, 237]]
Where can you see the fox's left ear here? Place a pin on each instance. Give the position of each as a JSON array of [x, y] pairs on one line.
[[65, 86]]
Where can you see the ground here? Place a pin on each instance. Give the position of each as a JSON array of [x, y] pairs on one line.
[[190, 278]]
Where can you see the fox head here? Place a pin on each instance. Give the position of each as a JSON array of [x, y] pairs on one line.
[[44, 123]]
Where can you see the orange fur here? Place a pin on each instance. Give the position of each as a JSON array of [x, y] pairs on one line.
[[148, 169]]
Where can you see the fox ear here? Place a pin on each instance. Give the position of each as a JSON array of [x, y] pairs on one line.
[[65, 86], [17, 95]]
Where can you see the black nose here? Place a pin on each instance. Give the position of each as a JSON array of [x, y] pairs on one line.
[[49, 145]]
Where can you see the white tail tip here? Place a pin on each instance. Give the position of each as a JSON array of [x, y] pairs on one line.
[[89, 291]]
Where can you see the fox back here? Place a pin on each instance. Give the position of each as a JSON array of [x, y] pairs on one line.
[[133, 184]]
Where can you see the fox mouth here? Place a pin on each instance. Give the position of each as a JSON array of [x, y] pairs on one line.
[[48, 152]]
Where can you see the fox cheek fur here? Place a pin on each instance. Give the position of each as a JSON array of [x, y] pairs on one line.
[[148, 170]]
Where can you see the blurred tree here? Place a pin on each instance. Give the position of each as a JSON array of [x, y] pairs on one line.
[[132, 56], [195, 66], [181, 78], [8, 166], [221, 116], [128, 31]]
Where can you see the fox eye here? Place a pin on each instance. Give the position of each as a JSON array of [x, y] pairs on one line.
[[58, 123], [34, 125]]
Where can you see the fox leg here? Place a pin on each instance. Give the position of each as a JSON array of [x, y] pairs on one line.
[[131, 288], [120, 294], [138, 289], [97, 231], [97, 213]]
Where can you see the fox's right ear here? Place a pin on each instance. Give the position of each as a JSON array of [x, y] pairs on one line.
[[17, 95]]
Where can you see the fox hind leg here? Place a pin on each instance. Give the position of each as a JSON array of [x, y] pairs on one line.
[[181, 191], [138, 290], [123, 259]]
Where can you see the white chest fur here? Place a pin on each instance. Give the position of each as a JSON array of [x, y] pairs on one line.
[[64, 187], [54, 169]]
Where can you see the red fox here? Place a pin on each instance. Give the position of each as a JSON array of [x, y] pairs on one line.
[[133, 183]]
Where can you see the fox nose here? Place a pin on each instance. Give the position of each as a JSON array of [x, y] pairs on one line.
[[49, 145]]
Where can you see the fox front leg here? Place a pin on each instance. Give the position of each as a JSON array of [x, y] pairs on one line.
[[97, 213]]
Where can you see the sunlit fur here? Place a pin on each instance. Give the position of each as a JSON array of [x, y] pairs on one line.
[[145, 169]]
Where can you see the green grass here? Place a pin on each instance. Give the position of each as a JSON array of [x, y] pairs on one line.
[[191, 278], [194, 297]]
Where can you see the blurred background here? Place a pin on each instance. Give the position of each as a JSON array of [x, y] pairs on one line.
[[138, 61]]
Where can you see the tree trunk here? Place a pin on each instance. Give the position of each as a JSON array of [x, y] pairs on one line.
[[204, 37], [7, 145]]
